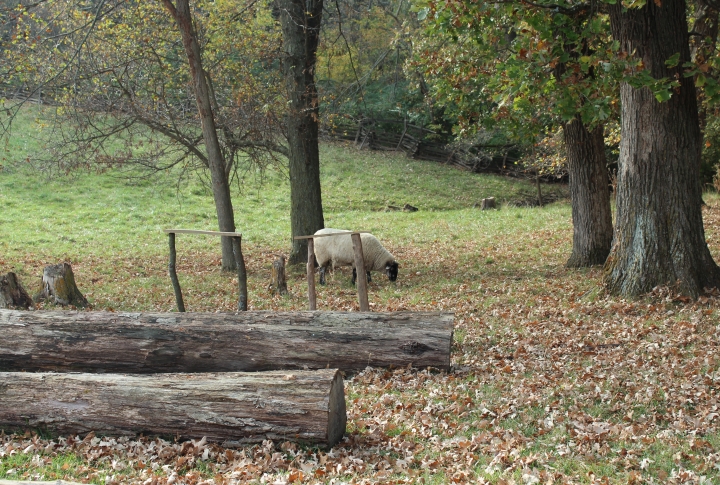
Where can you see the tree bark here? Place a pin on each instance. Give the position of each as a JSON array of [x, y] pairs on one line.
[[278, 282], [216, 160], [221, 342], [301, 31], [59, 288], [589, 194], [659, 234], [12, 293], [230, 408]]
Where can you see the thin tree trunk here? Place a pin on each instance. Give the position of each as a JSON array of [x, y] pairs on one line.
[[659, 234], [301, 29], [589, 194], [216, 161]]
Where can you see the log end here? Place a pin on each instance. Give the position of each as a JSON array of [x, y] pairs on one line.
[[337, 415]]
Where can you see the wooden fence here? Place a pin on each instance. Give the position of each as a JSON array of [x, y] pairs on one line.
[[416, 142]]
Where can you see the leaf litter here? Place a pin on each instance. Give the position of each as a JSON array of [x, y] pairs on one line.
[[552, 382]]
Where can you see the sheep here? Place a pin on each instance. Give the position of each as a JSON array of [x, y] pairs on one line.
[[338, 251]]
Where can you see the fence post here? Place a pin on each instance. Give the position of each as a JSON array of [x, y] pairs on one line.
[[173, 274], [361, 280], [312, 297], [242, 273]]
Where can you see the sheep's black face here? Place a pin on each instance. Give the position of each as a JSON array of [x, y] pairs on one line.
[[391, 270]]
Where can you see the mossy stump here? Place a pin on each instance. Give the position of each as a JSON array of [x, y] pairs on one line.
[[59, 288]]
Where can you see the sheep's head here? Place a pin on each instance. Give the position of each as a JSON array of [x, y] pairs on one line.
[[391, 270]]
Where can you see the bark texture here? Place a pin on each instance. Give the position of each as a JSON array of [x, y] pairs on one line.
[[589, 194], [219, 169], [300, 21], [59, 287], [12, 293], [278, 281], [230, 408], [221, 342], [659, 234]]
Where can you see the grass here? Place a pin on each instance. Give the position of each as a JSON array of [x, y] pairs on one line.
[[553, 381]]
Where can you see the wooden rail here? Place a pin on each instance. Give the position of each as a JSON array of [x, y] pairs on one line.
[[236, 239]]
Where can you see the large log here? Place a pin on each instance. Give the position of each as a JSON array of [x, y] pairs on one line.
[[221, 342], [232, 408]]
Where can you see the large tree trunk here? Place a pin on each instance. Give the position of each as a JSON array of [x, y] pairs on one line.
[[230, 408], [589, 194], [301, 31], [659, 234], [216, 161], [221, 342]]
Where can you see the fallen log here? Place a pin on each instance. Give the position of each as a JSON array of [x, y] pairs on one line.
[[222, 342], [230, 408]]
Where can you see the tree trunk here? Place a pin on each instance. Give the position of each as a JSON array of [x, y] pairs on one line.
[[59, 288], [216, 160], [589, 194], [230, 408], [659, 234], [301, 30], [12, 293], [221, 342]]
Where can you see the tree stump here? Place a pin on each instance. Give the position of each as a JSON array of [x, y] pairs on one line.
[[12, 293], [278, 281], [59, 288], [488, 203]]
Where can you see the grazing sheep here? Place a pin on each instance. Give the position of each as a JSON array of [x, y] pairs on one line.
[[338, 251]]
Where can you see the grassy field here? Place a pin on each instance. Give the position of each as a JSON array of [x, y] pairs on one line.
[[553, 381]]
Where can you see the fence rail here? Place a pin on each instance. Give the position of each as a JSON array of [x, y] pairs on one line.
[[394, 135]]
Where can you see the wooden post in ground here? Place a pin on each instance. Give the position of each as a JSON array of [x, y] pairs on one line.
[[242, 274], [173, 274], [239, 261], [312, 296], [360, 271]]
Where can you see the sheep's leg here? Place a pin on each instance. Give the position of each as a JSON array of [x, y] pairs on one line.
[[322, 274], [369, 277], [354, 277]]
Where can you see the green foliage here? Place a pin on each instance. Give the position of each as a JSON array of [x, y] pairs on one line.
[[518, 67]]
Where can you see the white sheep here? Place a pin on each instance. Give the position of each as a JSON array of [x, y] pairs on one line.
[[338, 251]]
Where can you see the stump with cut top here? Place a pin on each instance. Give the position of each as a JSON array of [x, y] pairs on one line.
[[59, 288]]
